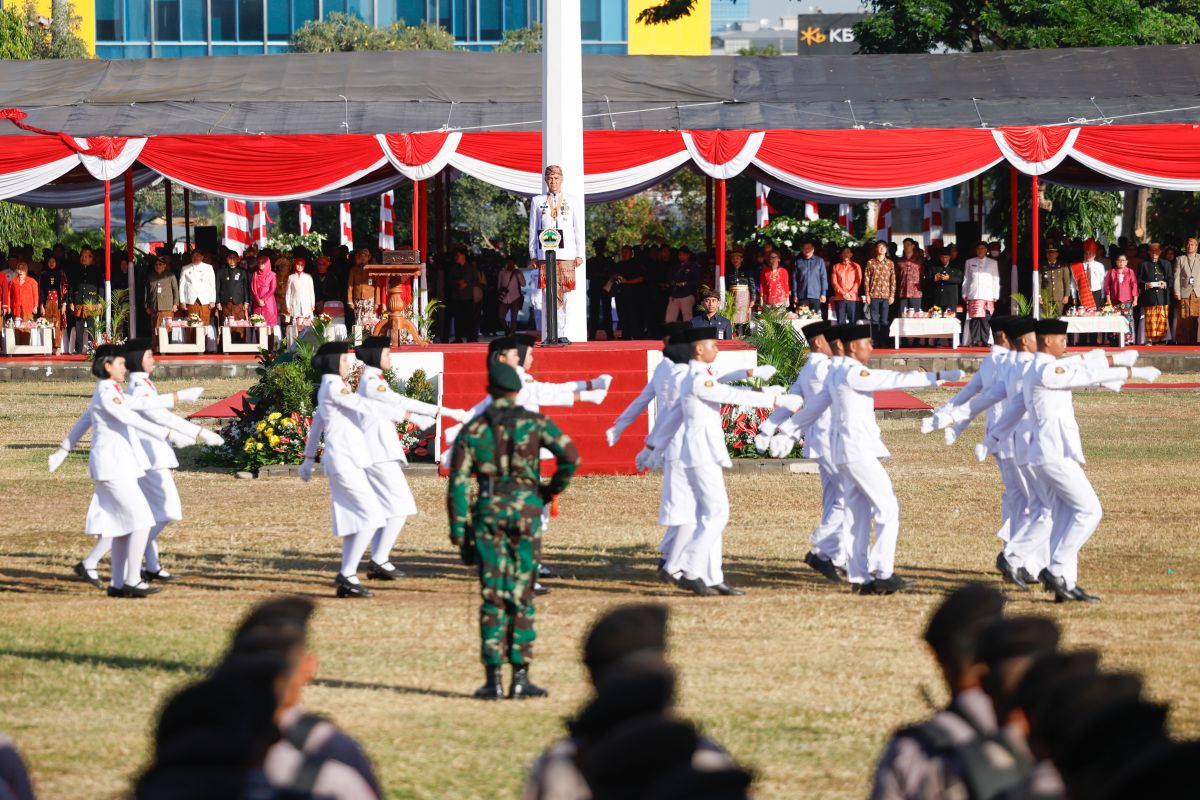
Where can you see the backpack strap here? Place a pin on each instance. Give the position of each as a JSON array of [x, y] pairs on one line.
[[297, 735]]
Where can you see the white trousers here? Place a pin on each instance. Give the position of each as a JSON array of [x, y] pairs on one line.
[[158, 485], [1029, 546], [830, 538], [1076, 514], [1012, 499], [869, 495], [702, 554], [677, 506]]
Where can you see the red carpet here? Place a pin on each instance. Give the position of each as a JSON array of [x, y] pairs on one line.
[[221, 408], [899, 401]]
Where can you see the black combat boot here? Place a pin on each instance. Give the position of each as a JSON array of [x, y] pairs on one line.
[[493, 684], [521, 688]]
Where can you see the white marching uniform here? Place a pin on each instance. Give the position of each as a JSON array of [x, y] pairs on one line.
[[831, 537], [383, 445], [565, 213], [157, 484], [856, 447], [703, 456]]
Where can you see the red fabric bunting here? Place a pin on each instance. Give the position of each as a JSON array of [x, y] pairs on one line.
[[415, 149], [720, 147], [508, 149], [610, 151], [19, 153], [1035, 144], [1165, 151]]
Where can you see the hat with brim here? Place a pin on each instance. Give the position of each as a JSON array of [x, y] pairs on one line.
[[1051, 327]]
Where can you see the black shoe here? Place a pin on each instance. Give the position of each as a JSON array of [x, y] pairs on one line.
[[493, 684], [546, 572], [696, 586], [727, 590], [563, 340], [113, 591], [82, 572], [521, 688], [1009, 573], [1056, 585], [1026, 576], [823, 566], [1083, 596], [347, 589], [141, 590], [540, 590], [891, 585], [380, 572], [160, 576], [664, 576], [866, 587]]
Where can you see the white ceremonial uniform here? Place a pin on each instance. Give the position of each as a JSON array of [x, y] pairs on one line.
[[157, 484], [339, 417], [831, 536], [198, 284], [856, 446], [383, 445], [301, 299], [703, 455], [565, 213]]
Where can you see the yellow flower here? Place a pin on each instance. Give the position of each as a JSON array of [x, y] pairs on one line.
[[274, 415], [258, 445], [249, 446], [259, 427], [288, 422], [274, 441]]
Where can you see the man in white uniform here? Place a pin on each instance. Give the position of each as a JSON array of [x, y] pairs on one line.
[[198, 286], [703, 455], [564, 213], [981, 290]]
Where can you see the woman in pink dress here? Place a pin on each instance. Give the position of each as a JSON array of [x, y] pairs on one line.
[[262, 287]]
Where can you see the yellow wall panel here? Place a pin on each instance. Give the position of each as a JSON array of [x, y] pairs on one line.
[[690, 36]]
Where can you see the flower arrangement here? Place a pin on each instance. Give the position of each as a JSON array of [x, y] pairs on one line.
[[193, 321], [804, 313], [740, 425], [42, 322], [278, 438], [365, 314], [258, 320], [789, 232]]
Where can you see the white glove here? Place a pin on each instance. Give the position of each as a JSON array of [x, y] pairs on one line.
[[602, 382], [781, 445], [763, 372], [612, 436], [768, 427], [177, 439], [773, 390], [762, 442], [950, 375], [1125, 358], [306, 470], [951, 434], [460, 414], [211, 439], [792, 402], [451, 434], [593, 395], [421, 420], [981, 452], [1148, 374], [1114, 386], [643, 458], [57, 458], [190, 395], [927, 425]]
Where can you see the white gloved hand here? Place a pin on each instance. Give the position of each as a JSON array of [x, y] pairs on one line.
[[177, 440], [306, 470], [781, 446], [1113, 386], [602, 382], [190, 395], [950, 375], [612, 436], [1148, 374], [1125, 358], [792, 402], [951, 434], [593, 395], [762, 442], [57, 458], [422, 421], [643, 458], [768, 427], [763, 372], [460, 414], [211, 439], [451, 434], [981, 452], [927, 425]]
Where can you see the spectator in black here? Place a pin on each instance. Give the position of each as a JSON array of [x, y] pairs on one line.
[[14, 777], [685, 281], [464, 283], [600, 271], [629, 285], [84, 298], [233, 288]]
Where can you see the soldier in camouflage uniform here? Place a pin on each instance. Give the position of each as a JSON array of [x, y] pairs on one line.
[[500, 448]]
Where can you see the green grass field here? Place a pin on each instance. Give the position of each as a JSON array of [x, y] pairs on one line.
[[802, 681]]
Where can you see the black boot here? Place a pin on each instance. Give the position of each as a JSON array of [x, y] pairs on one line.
[[521, 688], [493, 684]]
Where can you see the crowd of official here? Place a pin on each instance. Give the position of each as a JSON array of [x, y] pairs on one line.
[[1025, 718]]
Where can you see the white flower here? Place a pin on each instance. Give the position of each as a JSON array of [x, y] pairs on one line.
[[787, 242]]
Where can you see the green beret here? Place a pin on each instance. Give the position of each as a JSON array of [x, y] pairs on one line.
[[503, 377]]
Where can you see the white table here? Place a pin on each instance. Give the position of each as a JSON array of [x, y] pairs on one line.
[[40, 344], [248, 344], [1101, 323], [169, 343], [928, 327]]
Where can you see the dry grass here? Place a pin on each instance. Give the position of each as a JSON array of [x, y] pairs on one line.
[[800, 680]]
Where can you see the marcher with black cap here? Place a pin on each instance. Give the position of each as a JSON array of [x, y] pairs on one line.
[[704, 455], [830, 537], [340, 417], [856, 445], [117, 461], [386, 474]]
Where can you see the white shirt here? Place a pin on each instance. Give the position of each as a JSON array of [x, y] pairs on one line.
[[379, 431], [301, 299], [160, 454], [808, 384], [981, 280], [116, 452], [198, 284], [1095, 272], [1049, 402], [341, 417], [569, 221]]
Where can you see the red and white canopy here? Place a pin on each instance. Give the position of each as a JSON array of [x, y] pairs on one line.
[[849, 164]]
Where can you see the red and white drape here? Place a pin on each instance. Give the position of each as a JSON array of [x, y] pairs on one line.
[[931, 220], [305, 219], [258, 231], [237, 226], [883, 222], [762, 209], [845, 217], [387, 222], [811, 212], [345, 229]]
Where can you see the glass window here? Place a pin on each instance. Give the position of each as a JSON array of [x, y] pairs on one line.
[[137, 20], [194, 26], [166, 21], [516, 14], [110, 27], [438, 12], [364, 10], [411, 11], [302, 12], [279, 19], [460, 29], [250, 20], [224, 20], [589, 18], [491, 27]]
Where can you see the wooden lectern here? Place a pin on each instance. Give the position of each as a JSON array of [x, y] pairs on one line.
[[398, 266]]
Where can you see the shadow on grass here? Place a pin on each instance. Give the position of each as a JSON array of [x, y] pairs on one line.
[[165, 665]]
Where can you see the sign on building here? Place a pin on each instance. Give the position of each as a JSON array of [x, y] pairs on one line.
[[828, 34]]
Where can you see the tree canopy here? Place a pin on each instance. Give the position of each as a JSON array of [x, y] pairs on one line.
[[340, 32]]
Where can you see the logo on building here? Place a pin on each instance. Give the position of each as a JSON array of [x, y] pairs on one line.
[[828, 34]]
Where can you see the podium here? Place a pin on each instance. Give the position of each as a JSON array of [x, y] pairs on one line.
[[398, 267]]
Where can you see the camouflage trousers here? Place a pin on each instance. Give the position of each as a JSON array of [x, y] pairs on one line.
[[507, 571]]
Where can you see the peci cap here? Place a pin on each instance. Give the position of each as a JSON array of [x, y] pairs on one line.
[[693, 335], [819, 328], [852, 333], [1019, 326], [1051, 327]]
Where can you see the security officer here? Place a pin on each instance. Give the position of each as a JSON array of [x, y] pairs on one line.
[[500, 448]]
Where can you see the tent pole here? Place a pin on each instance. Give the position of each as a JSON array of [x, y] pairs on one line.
[[108, 258], [169, 215], [187, 218], [1013, 191], [446, 215], [720, 236], [414, 237], [422, 216], [130, 252], [1035, 284], [708, 214], [438, 216]]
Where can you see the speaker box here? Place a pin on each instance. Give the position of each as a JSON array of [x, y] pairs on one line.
[[967, 234], [205, 237]]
